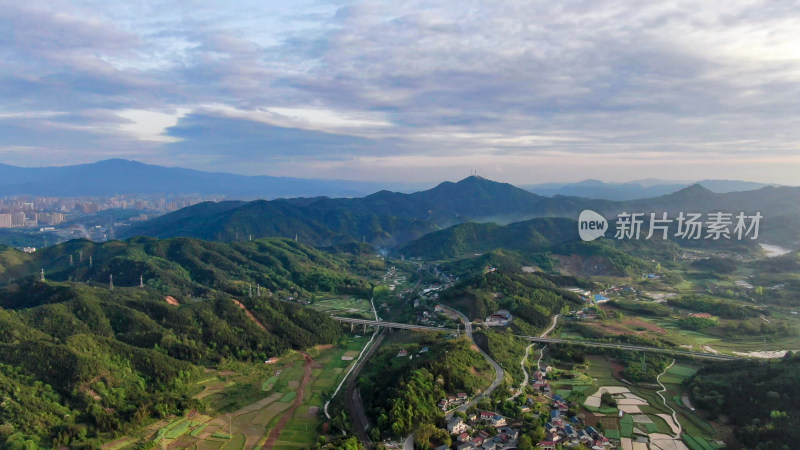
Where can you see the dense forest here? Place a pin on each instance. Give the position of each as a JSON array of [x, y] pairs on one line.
[[82, 362], [190, 267], [760, 399], [530, 236], [402, 393], [532, 298]]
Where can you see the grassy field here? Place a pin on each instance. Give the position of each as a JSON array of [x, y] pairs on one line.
[[327, 371], [344, 306], [248, 400]]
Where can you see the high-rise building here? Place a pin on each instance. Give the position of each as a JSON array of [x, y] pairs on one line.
[[5, 221], [18, 219], [50, 218]]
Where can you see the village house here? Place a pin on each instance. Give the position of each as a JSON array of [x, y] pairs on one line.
[[456, 426]]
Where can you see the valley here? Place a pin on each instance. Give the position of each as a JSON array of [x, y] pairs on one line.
[[523, 332]]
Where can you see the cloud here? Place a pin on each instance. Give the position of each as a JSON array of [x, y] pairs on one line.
[[320, 87]]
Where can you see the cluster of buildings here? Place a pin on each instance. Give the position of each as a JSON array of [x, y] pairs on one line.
[[569, 432], [453, 401], [587, 295], [22, 219], [561, 430], [467, 437], [30, 211]]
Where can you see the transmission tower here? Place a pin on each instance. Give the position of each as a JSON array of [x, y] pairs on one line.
[[111, 282]]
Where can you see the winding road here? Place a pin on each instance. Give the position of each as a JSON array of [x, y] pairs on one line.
[[499, 373], [664, 389], [525, 358]]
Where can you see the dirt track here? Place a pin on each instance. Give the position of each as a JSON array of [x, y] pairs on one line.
[[249, 314], [298, 400]]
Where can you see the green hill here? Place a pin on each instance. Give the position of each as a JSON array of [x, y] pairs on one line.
[[80, 360], [533, 298], [530, 236], [259, 219], [191, 267], [391, 219]]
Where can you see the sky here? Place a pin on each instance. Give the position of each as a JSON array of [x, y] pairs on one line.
[[521, 91]]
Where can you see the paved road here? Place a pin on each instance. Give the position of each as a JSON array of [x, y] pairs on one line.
[[552, 326], [637, 348], [353, 399], [499, 373], [525, 358], [385, 324], [547, 340]]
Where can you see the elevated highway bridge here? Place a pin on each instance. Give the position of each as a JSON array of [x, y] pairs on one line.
[[547, 340]]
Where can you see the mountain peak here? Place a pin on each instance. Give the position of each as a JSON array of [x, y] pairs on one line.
[[696, 188]]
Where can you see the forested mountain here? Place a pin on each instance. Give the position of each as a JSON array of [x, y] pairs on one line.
[[384, 218], [315, 226], [78, 361], [533, 298], [534, 235], [390, 219], [761, 400], [401, 394], [80, 358], [184, 266]]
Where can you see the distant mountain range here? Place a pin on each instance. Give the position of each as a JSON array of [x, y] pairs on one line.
[[119, 176], [390, 219], [597, 189]]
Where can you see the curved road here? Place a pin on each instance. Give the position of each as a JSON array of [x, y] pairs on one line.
[[499, 373], [525, 358], [664, 389]]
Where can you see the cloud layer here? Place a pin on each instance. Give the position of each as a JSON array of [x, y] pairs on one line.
[[522, 91]]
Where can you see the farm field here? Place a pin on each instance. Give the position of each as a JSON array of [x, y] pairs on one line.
[[344, 306], [251, 400], [639, 409]]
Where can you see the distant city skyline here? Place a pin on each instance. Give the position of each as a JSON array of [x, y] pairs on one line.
[[411, 92]]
